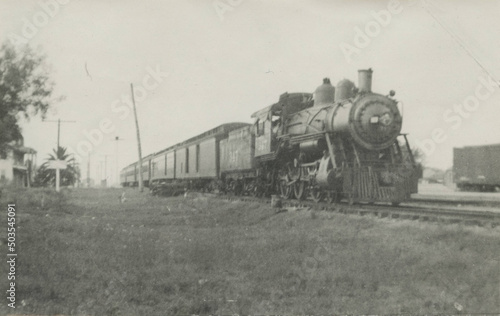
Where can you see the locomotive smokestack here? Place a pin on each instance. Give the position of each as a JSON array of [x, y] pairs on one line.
[[365, 80]]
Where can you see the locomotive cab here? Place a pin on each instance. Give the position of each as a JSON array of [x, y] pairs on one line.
[[269, 122]]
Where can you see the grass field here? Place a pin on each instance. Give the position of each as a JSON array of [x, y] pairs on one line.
[[84, 252]]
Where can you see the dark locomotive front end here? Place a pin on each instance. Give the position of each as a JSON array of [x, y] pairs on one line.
[[372, 120]]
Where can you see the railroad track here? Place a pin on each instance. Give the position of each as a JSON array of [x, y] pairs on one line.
[[456, 201], [409, 210]]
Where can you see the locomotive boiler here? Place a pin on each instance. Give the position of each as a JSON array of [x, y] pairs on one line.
[[372, 121]]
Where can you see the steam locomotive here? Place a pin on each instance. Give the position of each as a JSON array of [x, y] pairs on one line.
[[340, 142]]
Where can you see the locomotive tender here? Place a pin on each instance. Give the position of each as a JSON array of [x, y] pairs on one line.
[[339, 142]]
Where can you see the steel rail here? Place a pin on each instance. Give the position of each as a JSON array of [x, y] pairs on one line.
[[431, 213]]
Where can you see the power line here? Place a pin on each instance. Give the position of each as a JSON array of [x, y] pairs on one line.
[[459, 41]]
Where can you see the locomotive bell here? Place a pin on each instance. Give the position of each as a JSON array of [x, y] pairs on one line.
[[365, 80], [324, 94]]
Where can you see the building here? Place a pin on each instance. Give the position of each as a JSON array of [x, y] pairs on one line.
[[432, 175], [17, 164]]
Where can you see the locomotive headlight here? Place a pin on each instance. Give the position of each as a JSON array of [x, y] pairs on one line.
[[386, 119]]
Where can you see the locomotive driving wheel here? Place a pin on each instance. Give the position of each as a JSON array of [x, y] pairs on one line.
[[235, 187], [294, 174], [299, 189], [230, 186], [317, 195], [257, 188], [253, 188], [284, 187]]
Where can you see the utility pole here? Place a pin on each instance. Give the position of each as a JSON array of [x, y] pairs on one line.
[[99, 173], [58, 165], [141, 185], [105, 173], [58, 129], [117, 138], [88, 172]]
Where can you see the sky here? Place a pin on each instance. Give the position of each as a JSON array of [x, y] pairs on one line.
[[196, 64]]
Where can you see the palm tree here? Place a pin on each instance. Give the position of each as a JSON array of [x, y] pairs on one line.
[[69, 176]]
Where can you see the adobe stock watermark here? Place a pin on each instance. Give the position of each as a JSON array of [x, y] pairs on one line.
[[363, 36], [48, 9], [456, 114], [223, 6], [122, 107], [373, 28]]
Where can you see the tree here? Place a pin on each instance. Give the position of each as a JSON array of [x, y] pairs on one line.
[[419, 157], [69, 176], [417, 154], [25, 90]]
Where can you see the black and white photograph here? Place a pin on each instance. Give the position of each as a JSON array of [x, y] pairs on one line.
[[250, 157]]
